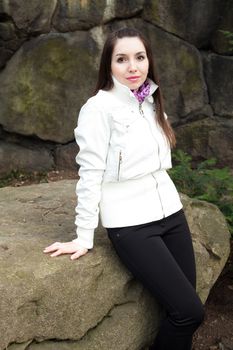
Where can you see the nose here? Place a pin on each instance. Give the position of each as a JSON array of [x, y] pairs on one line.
[[132, 66]]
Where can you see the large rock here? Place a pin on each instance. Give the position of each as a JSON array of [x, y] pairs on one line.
[[20, 158], [10, 39], [77, 15], [207, 138], [93, 302], [218, 71], [65, 156], [45, 83], [29, 16], [20, 19], [127, 9], [44, 298], [180, 73], [221, 43], [211, 241], [192, 20]]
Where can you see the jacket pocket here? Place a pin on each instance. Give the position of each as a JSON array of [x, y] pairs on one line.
[[122, 122]]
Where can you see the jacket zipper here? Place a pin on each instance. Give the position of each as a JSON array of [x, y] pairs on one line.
[[143, 115], [119, 165], [159, 157], [157, 188]]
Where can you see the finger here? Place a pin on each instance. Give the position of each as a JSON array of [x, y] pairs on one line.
[[63, 250], [76, 255], [58, 252], [52, 247]]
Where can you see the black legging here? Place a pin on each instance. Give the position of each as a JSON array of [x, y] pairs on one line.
[[160, 254]]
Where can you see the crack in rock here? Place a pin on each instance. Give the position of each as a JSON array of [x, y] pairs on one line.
[[106, 316]]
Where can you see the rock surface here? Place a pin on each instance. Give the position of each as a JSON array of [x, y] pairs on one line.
[[218, 69], [30, 16], [221, 43], [199, 18], [65, 156], [181, 74], [42, 86], [93, 302], [13, 156], [208, 137]]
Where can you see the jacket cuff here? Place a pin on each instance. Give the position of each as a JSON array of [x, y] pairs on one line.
[[85, 237]]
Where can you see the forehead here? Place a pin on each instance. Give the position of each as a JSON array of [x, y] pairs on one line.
[[128, 45]]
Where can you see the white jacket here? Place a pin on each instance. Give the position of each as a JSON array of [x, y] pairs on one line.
[[123, 157]]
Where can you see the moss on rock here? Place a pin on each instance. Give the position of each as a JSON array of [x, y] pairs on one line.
[[45, 85]]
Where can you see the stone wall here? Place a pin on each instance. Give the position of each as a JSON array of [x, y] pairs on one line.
[[49, 54]]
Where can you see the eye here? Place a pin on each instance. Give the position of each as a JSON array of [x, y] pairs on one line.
[[121, 59], [141, 57]]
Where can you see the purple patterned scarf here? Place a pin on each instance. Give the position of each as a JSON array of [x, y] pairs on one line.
[[142, 92]]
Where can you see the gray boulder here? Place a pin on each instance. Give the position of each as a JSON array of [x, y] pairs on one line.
[[20, 158], [208, 137], [45, 84], [220, 42], [29, 16], [10, 41], [218, 69], [211, 241], [65, 156], [80, 15], [180, 73], [191, 20], [93, 302]]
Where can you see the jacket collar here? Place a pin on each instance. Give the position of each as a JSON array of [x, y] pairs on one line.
[[125, 94]]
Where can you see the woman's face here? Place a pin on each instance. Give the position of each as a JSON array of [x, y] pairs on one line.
[[129, 63]]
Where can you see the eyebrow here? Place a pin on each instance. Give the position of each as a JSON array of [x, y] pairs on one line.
[[124, 54]]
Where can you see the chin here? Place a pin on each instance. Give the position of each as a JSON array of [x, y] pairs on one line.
[[132, 85]]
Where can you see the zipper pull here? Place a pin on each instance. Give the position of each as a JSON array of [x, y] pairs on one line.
[[119, 164], [141, 110]]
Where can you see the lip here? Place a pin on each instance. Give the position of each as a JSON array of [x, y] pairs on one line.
[[133, 78]]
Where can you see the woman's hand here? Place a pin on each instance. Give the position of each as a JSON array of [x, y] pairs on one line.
[[66, 248]]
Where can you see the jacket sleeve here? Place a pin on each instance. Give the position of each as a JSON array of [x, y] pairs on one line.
[[92, 135]]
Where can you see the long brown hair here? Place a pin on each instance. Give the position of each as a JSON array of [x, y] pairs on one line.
[[105, 81]]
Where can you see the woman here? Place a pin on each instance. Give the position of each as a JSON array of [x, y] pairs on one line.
[[124, 141]]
